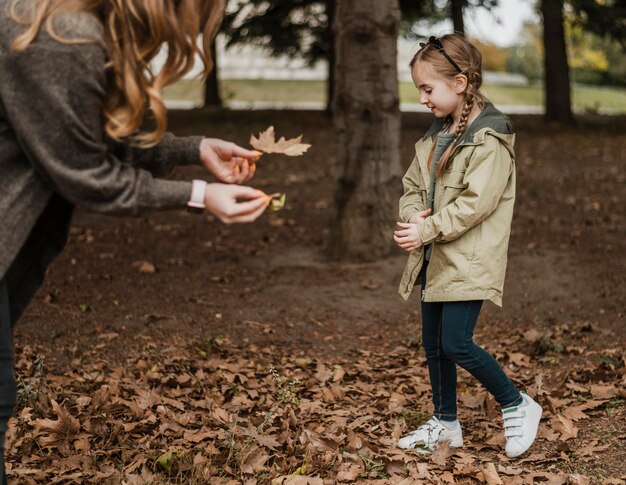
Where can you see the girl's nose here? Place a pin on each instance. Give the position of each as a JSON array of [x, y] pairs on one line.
[[423, 99]]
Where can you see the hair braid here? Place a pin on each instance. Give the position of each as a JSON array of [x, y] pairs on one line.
[[470, 101]]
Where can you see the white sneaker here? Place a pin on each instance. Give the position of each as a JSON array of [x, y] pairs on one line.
[[520, 426], [426, 438]]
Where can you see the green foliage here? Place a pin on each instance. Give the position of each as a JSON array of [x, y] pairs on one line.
[[283, 27], [604, 18], [304, 27], [593, 59], [526, 57]]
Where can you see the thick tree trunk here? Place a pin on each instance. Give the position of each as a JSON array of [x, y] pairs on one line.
[[456, 12], [367, 128], [212, 97], [330, 84], [557, 82]]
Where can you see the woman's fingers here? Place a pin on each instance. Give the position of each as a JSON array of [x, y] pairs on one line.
[[252, 216], [252, 155]]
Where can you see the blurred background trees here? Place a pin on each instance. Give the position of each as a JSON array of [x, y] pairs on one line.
[[571, 41]]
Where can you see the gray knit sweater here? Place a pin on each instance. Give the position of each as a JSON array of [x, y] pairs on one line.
[[52, 138]]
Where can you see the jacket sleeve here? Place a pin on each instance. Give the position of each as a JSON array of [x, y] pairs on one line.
[[53, 95], [486, 178], [411, 201]]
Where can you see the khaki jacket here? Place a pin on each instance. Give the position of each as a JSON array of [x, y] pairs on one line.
[[469, 230]]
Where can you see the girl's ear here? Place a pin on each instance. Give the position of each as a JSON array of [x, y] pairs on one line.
[[460, 83]]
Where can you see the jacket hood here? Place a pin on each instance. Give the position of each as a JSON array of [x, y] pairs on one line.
[[491, 120]]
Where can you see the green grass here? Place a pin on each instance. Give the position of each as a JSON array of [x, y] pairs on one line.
[[585, 98]]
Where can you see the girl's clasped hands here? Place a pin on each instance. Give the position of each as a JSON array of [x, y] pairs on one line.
[[407, 235]]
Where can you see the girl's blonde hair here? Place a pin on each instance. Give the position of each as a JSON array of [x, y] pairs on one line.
[[134, 31], [468, 59]]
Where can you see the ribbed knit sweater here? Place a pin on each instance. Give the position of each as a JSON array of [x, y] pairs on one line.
[[52, 138]]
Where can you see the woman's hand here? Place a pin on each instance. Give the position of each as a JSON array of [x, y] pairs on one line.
[[227, 161], [222, 201]]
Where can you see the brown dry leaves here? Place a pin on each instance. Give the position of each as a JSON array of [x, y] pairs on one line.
[[266, 142], [181, 414]]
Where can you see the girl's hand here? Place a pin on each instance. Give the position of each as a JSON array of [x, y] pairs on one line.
[[420, 217], [221, 201], [227, 161], [407, 237]]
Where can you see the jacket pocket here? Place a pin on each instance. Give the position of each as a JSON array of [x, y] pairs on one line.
[[453, 185]]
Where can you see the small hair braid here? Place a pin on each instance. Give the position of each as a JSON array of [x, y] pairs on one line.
[[469, 105], [470, 99]]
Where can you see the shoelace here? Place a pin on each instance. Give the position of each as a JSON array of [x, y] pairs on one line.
[[513, 422]]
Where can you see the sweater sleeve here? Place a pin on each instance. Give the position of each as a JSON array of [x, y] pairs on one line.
[[162, 158], [53, 95]]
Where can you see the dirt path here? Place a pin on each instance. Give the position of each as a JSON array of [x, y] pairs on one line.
[[267, 293]]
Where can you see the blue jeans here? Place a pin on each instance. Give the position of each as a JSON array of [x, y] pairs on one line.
[[7, 379], [447, 336]]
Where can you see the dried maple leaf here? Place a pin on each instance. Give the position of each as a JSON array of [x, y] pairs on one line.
[[266, 142]]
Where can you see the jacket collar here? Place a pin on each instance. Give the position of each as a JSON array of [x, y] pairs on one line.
[[489, 117]]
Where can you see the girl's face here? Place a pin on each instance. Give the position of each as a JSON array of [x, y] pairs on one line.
[[442, 96]]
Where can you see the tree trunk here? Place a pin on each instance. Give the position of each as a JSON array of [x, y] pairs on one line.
[[330, 57], [367, 128], [456, 12], [557, 83], [212, 97]]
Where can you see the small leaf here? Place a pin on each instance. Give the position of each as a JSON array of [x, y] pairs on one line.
[[165, 461], [277, 202]]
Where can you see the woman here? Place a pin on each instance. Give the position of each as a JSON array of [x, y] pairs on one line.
[[75, 88]]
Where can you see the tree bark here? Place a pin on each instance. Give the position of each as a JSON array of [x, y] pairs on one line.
[[212, 96], [330, 84], [557, 81], [367, 128], [456, 12]]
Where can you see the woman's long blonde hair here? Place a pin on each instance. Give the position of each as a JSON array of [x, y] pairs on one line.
[[134, 31], [469, 60]]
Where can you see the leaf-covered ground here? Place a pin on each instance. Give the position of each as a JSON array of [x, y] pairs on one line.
[[174, 349]]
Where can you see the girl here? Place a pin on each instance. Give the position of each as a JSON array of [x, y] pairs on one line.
[[456, 215], [75, 87]]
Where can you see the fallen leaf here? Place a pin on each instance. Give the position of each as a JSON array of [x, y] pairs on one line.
[[267, 143], [491, 474], [254, 462], [564, 426]]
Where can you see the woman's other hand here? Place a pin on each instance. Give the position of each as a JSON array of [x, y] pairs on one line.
[[234, 204], [229, 162]]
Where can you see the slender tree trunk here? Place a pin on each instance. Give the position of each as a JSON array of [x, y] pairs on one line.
[[367, 128], [330, 84], [456, 12], [212, 97], [557, 82]]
